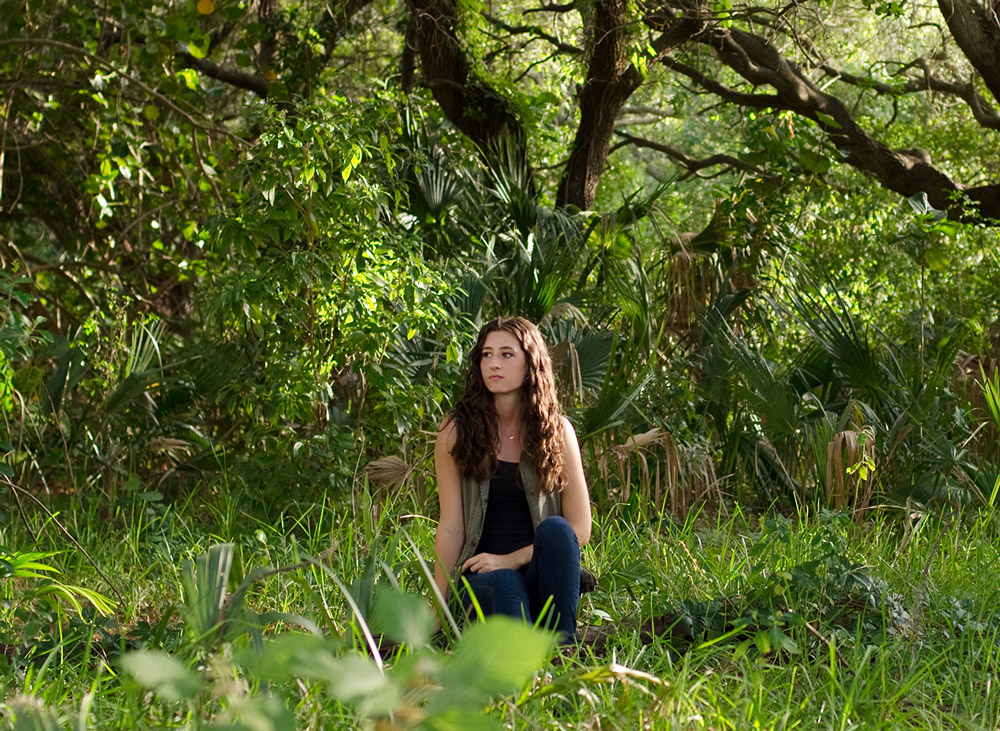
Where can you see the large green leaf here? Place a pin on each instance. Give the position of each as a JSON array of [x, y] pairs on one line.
[[494, 657], [402, 617], [162, 674]]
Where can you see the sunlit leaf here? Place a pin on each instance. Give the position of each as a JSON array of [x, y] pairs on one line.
[[403, 617], [497, 656], [162, 674]]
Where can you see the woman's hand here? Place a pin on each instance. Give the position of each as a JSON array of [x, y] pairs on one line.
[[483, 562]]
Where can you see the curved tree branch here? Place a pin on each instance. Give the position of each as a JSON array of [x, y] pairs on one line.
[[692, 165], [759, 62], [234, 77], [985, 115], [552, 8], [484, 115], [557, 43]]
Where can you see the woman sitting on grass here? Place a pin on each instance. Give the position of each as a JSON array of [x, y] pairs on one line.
[[514, 503]]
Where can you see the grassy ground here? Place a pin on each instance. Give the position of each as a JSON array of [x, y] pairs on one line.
[[725, 621]]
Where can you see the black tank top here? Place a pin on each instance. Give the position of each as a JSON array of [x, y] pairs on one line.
[[507, 526]]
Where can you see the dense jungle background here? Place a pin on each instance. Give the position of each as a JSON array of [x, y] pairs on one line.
[[246, 245]]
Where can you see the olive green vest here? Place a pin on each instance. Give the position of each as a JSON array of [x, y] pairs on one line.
[[476, 495]]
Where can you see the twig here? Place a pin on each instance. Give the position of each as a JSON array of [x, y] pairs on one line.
[[829, 645]]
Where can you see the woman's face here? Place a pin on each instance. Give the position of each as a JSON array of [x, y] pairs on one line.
[[503, 363]]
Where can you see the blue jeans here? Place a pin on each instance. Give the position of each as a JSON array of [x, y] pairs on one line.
[[554, 571]]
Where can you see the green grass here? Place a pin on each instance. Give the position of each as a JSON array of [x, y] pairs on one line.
[[810, 622]]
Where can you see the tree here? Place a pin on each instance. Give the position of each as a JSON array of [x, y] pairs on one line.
[[777, 57]]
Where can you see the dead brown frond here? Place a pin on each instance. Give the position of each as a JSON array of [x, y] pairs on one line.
[[676, 476], [849, 476], [566, 362], [173, 448], [687, 284], [972, 371], [390, 471]]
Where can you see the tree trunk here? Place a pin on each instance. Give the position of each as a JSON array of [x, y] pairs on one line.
[[478, 110]]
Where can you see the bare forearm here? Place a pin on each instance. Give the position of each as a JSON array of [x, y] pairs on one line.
[[447, 547]]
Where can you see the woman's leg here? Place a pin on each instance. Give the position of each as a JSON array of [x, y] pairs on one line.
[[498, 592], [555, 571]]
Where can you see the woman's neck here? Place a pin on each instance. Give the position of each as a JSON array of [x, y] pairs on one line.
[[508, 408]]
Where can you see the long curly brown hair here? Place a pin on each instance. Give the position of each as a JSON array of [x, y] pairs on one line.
[[477, 439]]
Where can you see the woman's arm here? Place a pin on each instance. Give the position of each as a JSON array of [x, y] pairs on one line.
[[451, 523], [575, 498]]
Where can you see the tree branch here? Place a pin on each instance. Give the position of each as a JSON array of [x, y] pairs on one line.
[[611, 80], [104, 63], [537, 32], [753, 101], [985, 115], [759, 62], [480, 112], [234, 77], [692, 165], [976, 30], [552, 8], [335, 22]]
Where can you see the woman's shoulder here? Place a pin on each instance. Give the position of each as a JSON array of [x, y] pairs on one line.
[[566, 426], [448, 432]]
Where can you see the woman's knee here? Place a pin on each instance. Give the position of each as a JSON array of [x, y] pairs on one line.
[[556, 529], [499, 592]]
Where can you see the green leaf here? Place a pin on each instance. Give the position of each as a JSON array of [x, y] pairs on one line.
[[921, 205], [461, 719], [403, 617], [198, 48], [267, 713], [358, 682], [291, 655], [496, 657], [779, 640], [813, 161], [162, 674], [937, 259], [763, 642], [827, 120], [189, 77]]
